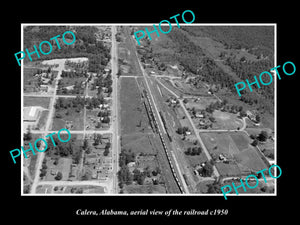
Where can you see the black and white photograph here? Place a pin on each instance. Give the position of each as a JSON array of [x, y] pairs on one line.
[[159, 116], [173, 114]]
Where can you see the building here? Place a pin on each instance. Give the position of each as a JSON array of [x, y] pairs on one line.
[[199, 115], [43, 88], [31, 114], [250, 115]]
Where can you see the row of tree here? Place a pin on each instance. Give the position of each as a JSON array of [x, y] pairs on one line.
[[193, 151], [124, 175], [79, 102]]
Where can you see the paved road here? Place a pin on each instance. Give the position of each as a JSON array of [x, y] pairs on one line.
[[41, 155], [76, 131], [115, 119]]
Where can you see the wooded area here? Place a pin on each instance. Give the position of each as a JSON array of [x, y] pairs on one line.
[[85, 45]]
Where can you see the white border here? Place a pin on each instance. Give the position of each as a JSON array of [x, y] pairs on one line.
[[149, 24]]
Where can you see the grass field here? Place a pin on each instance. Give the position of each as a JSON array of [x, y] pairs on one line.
[[63, 166], [145, 189], [30, 82], [226, 120], [127, 58], [86, 189], [133, 114], [36, 101], [138, 143], [243, 158], [200, 102]]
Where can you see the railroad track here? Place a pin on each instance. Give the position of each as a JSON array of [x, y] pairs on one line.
[[164, 145]]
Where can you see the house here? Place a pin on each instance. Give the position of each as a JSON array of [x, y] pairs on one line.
[[44, 87], [199, 115], [69, 88], [221, 157], [188, 132], [131, 164]]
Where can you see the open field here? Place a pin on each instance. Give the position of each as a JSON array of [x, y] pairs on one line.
[[200, 103], [226, 120], [36, 101], [139, 143], [63, 166], [133, 114], [242, 157], [145, 189], [127, 60], [30, 82]]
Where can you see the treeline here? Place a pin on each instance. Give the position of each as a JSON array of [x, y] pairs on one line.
[[212, 74], [73, 74], [85, 45], [186, 52], [124, 175], [79, 102], [249, 69], [258, 40]]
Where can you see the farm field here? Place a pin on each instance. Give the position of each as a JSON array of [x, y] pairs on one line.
[[235, 147]]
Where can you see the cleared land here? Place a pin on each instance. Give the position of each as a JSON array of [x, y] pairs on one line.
[[242, 157]]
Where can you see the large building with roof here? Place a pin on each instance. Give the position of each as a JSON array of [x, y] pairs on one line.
[[31, 114]]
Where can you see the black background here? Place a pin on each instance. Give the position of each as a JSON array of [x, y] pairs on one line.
[[38, 209]]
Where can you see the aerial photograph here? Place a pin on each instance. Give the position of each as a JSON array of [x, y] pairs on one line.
[[158, 117]]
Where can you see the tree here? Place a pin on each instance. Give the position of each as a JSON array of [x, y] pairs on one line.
[[28, 135], [85, 144], [254, 143], [188, 151], [243, 113], [215, 187], [106, 151], [124, 175], [207, 170], [257, 118], [58, 176], [180, 130], [263, 136], [106, 119]]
